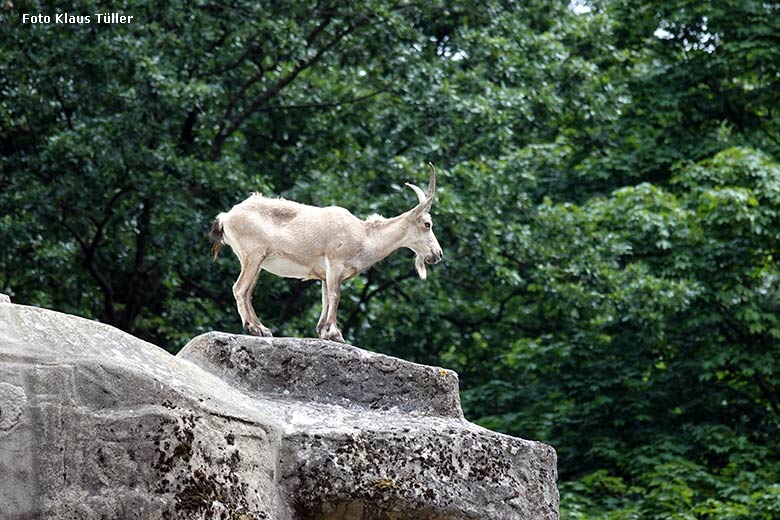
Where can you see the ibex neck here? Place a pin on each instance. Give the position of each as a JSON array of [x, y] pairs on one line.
[[385, 236]]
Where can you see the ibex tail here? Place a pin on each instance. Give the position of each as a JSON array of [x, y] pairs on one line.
[[217, 236]]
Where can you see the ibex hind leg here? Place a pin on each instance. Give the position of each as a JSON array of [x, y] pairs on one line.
[[243, 289]]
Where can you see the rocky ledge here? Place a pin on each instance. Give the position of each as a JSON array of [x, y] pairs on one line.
[[95, 423]]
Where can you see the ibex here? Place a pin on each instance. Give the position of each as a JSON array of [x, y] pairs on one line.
[[328, 244]]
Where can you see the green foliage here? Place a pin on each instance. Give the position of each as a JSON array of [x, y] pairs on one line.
[[608, 206], [665, 331]]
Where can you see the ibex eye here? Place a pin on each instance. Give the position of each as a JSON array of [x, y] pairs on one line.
[[427, 225]]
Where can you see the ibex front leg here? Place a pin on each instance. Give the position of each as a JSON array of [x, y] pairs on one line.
[[332, 286], [324, 313], [243, 289]]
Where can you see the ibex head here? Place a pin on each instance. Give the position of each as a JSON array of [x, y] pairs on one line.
[[420, 238]]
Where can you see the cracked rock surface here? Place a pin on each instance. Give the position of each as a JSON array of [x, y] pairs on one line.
[[95, 423]]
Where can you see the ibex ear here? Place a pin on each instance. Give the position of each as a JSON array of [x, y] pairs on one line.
[[426, 200]]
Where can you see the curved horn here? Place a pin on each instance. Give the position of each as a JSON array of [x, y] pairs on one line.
[[432, 182], [426, 200], [420, 193]]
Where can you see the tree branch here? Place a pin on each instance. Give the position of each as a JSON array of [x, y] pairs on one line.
[[199, 288], [89, 261], [366, 296], [361, 301], [134, 297], [235, 123], [326, 104], [89, 250], [494, 318], [107, 214], [187, 135]]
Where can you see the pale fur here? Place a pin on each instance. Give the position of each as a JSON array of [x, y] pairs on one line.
[[329, 244]]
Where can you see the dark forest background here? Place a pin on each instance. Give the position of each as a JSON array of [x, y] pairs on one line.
[[608, 204]]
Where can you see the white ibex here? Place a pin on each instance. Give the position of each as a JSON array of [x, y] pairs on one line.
[[329, 244]]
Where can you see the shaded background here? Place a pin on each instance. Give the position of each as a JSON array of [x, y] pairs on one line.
[[608, 205]]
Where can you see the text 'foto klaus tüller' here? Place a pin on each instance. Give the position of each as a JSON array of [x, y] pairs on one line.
[[67, 18]]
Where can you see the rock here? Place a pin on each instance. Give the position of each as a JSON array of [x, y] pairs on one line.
[[4, 298], [96, 423], [314, 370], [368, 436]]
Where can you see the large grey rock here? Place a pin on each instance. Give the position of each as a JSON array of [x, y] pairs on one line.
[[97, 424], [376, 437]]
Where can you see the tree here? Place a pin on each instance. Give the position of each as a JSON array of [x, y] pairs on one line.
[[606, 206]]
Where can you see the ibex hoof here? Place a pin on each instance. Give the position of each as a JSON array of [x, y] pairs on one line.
[[257, 330], [332, 335]]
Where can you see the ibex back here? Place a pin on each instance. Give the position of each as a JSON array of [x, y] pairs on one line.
[[328, 244]]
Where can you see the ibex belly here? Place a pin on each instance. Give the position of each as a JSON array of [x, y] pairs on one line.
[[287, 268]]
